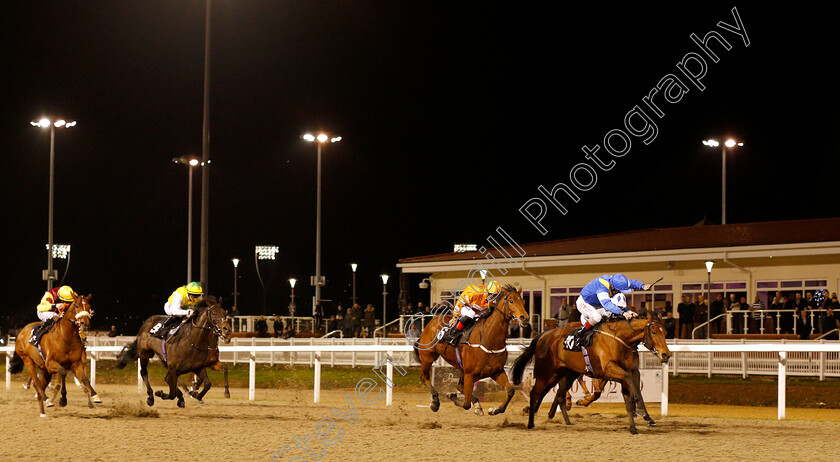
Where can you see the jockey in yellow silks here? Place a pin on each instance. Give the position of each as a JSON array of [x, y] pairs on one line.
[[53, 301], [469, 306], [178, 305]]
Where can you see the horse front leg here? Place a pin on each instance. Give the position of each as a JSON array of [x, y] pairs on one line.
[[221, 367], [426, 367], [541, 387], [563, 386], [206, 381], [62, 388], [469, 381], [640, 402], [80, 371], [144, 374], [502, 379], [628, 391]]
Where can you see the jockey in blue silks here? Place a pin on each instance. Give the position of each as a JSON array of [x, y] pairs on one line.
[[595, 300]]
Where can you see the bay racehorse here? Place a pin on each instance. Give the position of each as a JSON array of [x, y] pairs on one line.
[[194, 348], [61, 349], [484, 354], [611, 357]]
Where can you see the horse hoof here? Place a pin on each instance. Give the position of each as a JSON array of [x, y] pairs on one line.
[[159, 394], [434, 406], [62, 402], [452, 395], [48, 403], [96, 399], [227, 394], [181, 404], [479, 411], [526, 409], [492, 411], [150, 401], [200, 401], [530, 425], [651, 423], [43, 415], [633, 431]]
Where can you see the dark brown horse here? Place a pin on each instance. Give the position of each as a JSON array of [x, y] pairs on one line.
[[194, 348], [484, 355], [63, 349], [611, 356]]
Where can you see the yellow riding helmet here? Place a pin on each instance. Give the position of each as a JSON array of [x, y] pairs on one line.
[[194, 288], [492, 287], [66, 294]]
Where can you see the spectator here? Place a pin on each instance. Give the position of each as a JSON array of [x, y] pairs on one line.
[[113, 332], [339, 324], [798, 302], [261, 326], [288, 332], [756, 309], [716, 309], [356, 320], [701, 312], [234, 322], [370, 320], [319, 317], [422, 309], [347, 325], [811, 301], [278, 326], [686, 312], [669, 323], [788, 316], [830, 324], [332, 324], [803, 324], [340, 312]]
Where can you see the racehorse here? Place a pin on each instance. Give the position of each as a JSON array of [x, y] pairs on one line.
[[611, 356], [60, 349], [484, 354], [194, 348]]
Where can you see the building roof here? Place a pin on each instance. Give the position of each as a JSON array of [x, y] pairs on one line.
[[686, 237]]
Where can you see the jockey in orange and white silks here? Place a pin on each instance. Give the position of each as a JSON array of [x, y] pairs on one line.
[[470, 304]]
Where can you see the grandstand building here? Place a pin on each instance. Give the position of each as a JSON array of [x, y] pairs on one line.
[[749, 259]]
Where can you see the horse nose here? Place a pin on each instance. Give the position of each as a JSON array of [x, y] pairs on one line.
[[665, 357], [523, 318]]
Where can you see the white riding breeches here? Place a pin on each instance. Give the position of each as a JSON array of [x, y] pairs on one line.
[[44, 315], [466, 310], [171, 311], [589, 313]]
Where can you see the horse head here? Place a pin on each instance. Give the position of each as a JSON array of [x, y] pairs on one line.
[[509, 302], [214, 318], [79, 313], [655, 338]]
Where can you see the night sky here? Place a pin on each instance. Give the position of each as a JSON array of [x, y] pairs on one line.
[[451, 117]]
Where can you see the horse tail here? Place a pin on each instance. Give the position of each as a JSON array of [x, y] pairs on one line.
[[127, 355], [523, 359], [16, 365]]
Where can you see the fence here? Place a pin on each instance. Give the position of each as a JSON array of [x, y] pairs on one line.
[[385, 353]]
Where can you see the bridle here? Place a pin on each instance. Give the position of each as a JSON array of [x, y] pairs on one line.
[[78, 316], [493, 306], [213, 328]]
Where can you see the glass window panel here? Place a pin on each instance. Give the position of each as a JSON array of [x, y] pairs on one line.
[[558, 290], [736, 285], [575, 290], [663, 287], [819, 283], [768, 285], [691, 286], [791, 283]]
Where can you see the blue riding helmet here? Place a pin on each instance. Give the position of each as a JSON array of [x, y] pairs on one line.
[[620, 283]]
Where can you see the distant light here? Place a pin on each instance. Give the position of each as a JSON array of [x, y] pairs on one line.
[[322, 137], [384, 278], [483, 274], [335, 140], [70, 124], [292, 282], [740, 144], [235, 262], [60, 251], [60, 123], [193, 162], [465, 248], [709, 265], [44, 123], [266, 252], [309, 137], [730, 143], [711, 143], [353, 266]]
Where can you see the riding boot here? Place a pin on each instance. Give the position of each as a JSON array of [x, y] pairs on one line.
[[41, 330], [455, 332], [165, 326], [579, 334]]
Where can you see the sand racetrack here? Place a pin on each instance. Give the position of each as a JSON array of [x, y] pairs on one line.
[[236, 429]]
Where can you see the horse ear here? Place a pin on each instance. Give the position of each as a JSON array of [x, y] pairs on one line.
[[520, 290], [89, 297], [649, 316], [220, 300]]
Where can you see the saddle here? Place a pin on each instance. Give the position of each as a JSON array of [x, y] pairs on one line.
[[167, 328], [586, 340]]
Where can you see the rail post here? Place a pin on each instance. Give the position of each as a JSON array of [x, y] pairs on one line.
[[782, 366], [139, 378], [92, 370], [252, 375], [389, 390], [317, 376], [664, 404]]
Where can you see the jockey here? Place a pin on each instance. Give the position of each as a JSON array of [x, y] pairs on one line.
[[472, 302], [595, 300], [179, 305], [53, 301]]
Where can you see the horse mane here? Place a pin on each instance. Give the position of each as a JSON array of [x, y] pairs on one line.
[[206, 301], [509, 288]]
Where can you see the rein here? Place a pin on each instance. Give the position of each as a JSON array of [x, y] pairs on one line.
[[212, 328], [644, 339], [508, 317]]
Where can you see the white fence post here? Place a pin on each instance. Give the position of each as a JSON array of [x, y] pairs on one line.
[[389, 390], [252, 375], [782, 365], [664, 404], [317, 377], [139, 378], [92, 370]]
